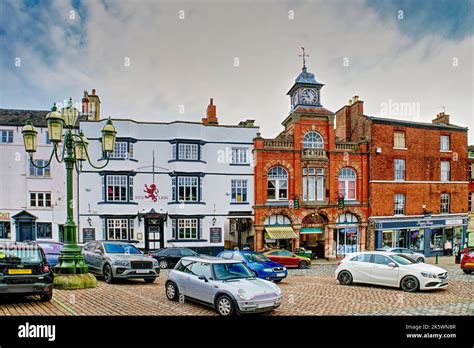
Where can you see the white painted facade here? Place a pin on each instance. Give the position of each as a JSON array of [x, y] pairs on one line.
[[17, 183], [109, 212]]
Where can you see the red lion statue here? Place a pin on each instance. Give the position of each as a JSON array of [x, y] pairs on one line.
[[152, 192]]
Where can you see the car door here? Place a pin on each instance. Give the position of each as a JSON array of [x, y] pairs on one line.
[[97, 257], [200, 289], [173, 256], [381, 273], [181, 276], [88, 252], [361, 267], [275, 256], [287, 258]]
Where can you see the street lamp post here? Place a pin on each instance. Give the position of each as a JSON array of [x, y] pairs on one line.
[[71, 270]]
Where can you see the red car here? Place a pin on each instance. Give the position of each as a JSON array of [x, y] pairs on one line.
[[288, 259], [467, 261]]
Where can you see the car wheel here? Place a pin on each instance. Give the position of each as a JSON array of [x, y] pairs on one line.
[[225, 305], [108, 275], [302, 264], [345, 278], [420, 259], [255, 274], [163, 264], [278, 280], [150, 280], [409, 283], [171, 291], [467, 271], [47, 296]]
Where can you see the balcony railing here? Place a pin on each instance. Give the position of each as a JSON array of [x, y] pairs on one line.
[[347, 146], [313, 153], [279, 144]]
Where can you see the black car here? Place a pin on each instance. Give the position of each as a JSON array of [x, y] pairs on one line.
[[24, 270], [169, 257]]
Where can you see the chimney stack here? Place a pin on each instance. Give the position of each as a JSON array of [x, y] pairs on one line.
[[91, 105], [211, 114], [441, 118]]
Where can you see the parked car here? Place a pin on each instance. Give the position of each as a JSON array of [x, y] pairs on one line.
[[305, 253], [405, 251], [390, 269], [24, 270], [52, 251], [114, 260], [467, 262], [259, 264], [169, 257], [288, 259], [229, 286]]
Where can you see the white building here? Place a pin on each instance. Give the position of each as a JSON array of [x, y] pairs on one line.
[[32, 200], [187, 184]]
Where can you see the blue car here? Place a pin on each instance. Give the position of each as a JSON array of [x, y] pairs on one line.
[[258, 263]]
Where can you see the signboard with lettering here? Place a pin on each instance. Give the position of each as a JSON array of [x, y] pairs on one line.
[[215, 235], [88, 234], [4, 216]]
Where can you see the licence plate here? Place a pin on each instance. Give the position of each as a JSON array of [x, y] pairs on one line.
[[280, 274], [19, 271], [143, 271], [264, 305]]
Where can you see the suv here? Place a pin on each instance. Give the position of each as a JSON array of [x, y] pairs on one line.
[[114, 260], [169, 257], [259, 264], [226, 285], [25, 270]]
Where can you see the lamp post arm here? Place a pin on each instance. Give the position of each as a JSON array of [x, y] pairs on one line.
[[90, 162], [46, 165], [60, 160]]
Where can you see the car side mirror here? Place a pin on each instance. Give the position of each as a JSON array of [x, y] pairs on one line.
[[100, 251], [201, 277], [392, 265]]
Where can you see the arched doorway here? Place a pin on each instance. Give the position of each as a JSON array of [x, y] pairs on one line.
[[312, 236], [278, 232], [346, 236]]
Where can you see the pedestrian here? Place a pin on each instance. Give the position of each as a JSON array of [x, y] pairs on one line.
[[448, 247]]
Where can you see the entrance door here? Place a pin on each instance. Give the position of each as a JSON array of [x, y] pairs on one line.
[[26, 231], [154, 234]]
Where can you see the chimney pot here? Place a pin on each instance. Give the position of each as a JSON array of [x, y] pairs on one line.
[[350, 102], [93, 91], [355, 98]]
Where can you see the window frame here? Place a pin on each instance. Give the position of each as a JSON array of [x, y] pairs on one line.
[[404, 147], [441, 143], [346, 180], [445, 203], [119, 223], [9, 136], [397, 170], [399, 206], [239, 186], [317, 176], [239, 156], [124, 182], [42, 226], [5, 233], [313, 140], [125, 149], [447, 173], [175, 188], [278, 180], [37, 200], [33, 171]]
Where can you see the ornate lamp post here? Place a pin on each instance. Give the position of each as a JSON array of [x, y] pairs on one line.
[[71, 271]]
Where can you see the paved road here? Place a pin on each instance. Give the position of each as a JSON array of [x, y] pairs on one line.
[[305, 292]]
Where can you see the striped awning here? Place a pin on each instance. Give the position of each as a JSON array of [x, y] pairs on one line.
[[280, 232]]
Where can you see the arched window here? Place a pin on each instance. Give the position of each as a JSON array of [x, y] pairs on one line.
[[277, 220], [277, 184], [347, 218], [313, 140], [347, 183]]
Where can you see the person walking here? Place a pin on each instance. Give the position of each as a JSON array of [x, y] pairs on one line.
[[448, 248]]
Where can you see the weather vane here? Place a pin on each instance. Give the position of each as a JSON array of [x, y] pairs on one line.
[[304, 55]]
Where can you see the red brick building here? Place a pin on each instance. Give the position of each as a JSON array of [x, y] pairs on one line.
[[300, 176], [418, 179], [471, 188]]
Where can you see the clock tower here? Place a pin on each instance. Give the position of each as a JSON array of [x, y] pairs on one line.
[[305, 91]]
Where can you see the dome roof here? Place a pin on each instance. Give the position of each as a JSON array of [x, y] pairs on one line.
[[306, 77]]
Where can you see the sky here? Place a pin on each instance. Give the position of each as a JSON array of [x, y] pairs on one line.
[[163, 60]]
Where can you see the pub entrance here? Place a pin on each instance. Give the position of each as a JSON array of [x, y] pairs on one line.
[[154, 229]]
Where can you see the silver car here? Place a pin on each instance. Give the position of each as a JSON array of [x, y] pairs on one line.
[[114, 260], [226, 285], [407, 252]]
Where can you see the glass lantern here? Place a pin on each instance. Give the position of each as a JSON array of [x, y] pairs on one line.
[[108, 137], [55, 125], [81, 148], [70, 114], [30, 137]]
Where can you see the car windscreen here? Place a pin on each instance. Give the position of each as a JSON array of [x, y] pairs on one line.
[[112, 248], [51, 248], [256, 257], [226, 271], [402, 259], [20, 255]]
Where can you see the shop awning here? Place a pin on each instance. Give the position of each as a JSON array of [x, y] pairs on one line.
[[310, 230], [280, 232]]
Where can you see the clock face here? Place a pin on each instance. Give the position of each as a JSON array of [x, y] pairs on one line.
[[309, 96], [295, 99]]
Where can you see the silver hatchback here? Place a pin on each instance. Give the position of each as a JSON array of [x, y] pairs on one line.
[[114, 260], [229, 286]]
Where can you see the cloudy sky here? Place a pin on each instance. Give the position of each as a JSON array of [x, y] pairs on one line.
[[163, 60]]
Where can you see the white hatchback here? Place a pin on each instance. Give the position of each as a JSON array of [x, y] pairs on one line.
[[390, 269]]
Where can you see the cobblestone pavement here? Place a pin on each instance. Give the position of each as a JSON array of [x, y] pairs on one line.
[[305, 292]]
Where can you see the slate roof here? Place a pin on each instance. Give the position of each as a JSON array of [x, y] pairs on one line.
[[13, 117], [383, 120]]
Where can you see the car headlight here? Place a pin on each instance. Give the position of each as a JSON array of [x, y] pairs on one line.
[[268, 270], [242, 294], [121, 263], [155, 263], [428, 275], [278, 291], [284, 268]]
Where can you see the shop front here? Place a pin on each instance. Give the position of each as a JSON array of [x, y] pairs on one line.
[[279, 233], [346, 235], [429, 235], [312, 236]]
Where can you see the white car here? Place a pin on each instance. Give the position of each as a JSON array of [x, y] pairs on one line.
[[390, 269], [407, 252]]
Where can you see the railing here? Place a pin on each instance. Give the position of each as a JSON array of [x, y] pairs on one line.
[[281, 144], [313, 153], [347, 146]]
